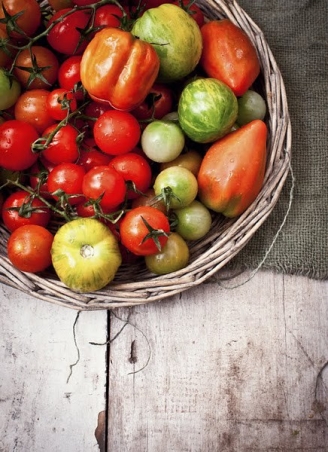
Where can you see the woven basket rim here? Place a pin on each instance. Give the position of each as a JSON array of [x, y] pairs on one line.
[[135, 285]]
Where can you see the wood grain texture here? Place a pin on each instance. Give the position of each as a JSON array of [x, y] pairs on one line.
[[218, 369], [39, 409]]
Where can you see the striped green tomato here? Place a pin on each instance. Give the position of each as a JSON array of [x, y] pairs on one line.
[[176, 38], [207, 110]]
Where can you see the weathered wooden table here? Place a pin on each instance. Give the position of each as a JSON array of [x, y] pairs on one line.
[[215, 369]]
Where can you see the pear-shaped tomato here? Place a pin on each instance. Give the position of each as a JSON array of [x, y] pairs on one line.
[[85, 255]]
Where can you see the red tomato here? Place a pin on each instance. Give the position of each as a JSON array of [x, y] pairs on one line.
[[105, 184], [192, 9], [136, 171], [84, 2], [144, 230], [31, 107], [91, 156], [29, 248], [28, 16], [39, 72], [69, 75], [116, 132], [67, 178], [61, 102], [108, 16], [157, 104], [39, 177], [63, 146], [66, 36], [21, 208], [16, 139]]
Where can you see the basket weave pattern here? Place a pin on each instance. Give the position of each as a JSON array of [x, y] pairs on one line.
[[134, 284]]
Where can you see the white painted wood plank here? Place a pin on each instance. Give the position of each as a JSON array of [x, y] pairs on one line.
[[39, 409], [223, 370]]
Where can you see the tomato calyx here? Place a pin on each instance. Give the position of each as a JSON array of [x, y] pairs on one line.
[[35, 72], [153, 234], [166, 196], [26, 209]]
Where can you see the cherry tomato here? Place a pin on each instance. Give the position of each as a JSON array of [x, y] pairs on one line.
[[144, 230], [31, 108], [66, 36], [69, 75], [29, 248], [10, 90], [63, 146], [61, 102], [135, 170], [192, 9], [21, 208], [190, 160], [116, 132], [157, 104], [26, 14], [108, 16], [149, 199], [56, 5], [36, 67], [67, 178], [91, 156], [105, 184], [194, 221], [39, 177], [251, 105], [173, 257], [16, 139], [5, 55]]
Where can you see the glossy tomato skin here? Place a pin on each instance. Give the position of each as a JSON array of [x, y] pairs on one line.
[[173, 257], [16, 139], [158, 103], [63, 146], [134, 232], [135, 169], [108, 16], [29, 18], [230, 180], [229, 55], [31, 107], [118, 69], [69, 75], [116, 132], [67, 178], [85, 255], [60, 103], [46, 72], [65, 37], [106, 184], [20, 208], [91, 156], [29, 248]]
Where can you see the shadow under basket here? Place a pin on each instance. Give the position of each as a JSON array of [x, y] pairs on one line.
[[134, 284]]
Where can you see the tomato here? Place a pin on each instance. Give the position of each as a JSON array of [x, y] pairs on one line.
[[84, 2], [63, 147], [194, 221], [173, 257], [20, 208], [31, 108], [10, 90], [91, 156], [149, 199], [38, 177], [207, 110], [56, 5], [192, 9], [66, 179], [29, 248], [190, 159], [105, 184], [232, 170], [177, 185], [135, 170], [176, 38], [144, 230], [60, 103], [85, 254], [66, 35], [162, 141], [108, 16], [16, 139], [116, 132], [36, 67], [157, 103], [251, 105], [229, 55], [69, 75], [118, 69], [5, 53], [25, 15]]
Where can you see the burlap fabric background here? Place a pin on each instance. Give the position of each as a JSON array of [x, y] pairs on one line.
[[297, 33]]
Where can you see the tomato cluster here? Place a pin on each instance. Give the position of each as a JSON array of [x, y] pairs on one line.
[[89, 129]]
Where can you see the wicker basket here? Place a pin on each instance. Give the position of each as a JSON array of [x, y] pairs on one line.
[[134, 285]]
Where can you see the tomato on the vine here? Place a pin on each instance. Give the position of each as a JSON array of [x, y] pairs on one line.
[[173, 257], [144, 230], [29, 248], [66, 179], [69, 75], [24, 17], [63, 146], [21, 208], [91, 156], [38, 177], [61, 102], [108, 16]]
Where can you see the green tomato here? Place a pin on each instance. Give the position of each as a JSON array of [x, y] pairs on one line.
[[177, 185], [207, 110], [194, 221], [162, 141], [173, 257], [176, 38], [10, 90], [250, 106], [85, 255]]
